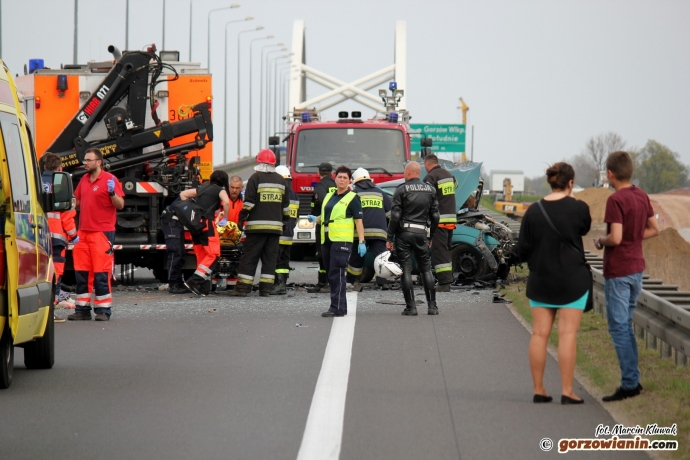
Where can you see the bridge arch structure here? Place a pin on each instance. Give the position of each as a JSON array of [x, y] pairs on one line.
[[338, 90]]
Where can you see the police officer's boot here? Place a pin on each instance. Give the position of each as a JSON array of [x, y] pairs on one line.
[[430, 292], [241, 290], [279, 287], [322, 285], [265, 289], [410, 307]]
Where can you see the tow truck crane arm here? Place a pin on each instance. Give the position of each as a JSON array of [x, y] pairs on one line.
[[127, 136]]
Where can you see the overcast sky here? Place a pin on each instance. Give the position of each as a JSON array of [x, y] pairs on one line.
[[540, 77]]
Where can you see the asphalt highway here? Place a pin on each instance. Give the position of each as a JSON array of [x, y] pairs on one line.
[[180, 377]]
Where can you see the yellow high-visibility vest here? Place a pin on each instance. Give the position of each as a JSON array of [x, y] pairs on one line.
[[340, 227]]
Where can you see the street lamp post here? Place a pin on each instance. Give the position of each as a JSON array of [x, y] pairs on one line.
[[127, 25], [163, 40], [270, 77], [76, 17], [262, 138], [239, 40], [275, 91], [282, 94], [208, 49], [251, 43], [225, 90], [284, 90]]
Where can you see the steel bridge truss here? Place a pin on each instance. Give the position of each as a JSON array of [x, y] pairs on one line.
[[340, 90]]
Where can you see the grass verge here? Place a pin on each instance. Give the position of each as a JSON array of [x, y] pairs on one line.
[[666, 396]]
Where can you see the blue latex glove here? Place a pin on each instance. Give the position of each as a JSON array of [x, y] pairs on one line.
[[111, 185], [222, 222], [362, 249], [312, 219], [75, 240]]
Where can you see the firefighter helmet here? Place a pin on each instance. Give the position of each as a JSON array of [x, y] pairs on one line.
[[360, 174], [266, 156], [385, 268], [283, 171]]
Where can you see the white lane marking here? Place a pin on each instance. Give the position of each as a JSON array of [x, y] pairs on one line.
[[323, 434]]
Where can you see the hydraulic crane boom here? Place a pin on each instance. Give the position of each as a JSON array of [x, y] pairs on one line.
[[127, 135]]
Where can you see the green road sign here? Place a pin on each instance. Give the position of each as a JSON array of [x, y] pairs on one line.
[[446, 138]]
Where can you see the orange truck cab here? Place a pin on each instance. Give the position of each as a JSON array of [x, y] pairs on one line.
[[27, 275]]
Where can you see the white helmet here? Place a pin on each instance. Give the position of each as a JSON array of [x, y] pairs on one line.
[[283, 171], [359, 174], [385, 268]]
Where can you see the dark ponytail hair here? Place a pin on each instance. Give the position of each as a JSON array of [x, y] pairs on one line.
[[559, 174], [220, 178]]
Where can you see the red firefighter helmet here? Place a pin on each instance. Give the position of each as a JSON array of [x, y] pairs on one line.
[[266, 156]]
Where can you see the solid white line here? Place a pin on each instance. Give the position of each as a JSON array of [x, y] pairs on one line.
[[323, 434]]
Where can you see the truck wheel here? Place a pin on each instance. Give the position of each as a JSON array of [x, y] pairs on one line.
[[468, 262], [6, 357], [40, 354], [297, 252], [367, 274], [161, 274]]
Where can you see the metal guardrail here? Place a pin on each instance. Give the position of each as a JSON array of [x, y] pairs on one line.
[[662, 315], [661, 318]]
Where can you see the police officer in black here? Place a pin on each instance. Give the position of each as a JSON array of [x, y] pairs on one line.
[[445, 184], [414, 212], [325, 186]]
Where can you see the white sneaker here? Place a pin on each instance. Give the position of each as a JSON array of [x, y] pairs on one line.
[[68, 303]]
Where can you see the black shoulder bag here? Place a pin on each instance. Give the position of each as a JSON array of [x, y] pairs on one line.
[[589, 306]]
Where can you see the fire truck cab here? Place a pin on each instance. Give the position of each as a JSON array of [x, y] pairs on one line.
[[380, 144]]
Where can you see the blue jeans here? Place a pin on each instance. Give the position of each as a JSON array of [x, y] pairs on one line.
[[621, 299]]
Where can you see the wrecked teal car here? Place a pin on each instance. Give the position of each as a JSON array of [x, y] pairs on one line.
[[480, 245]]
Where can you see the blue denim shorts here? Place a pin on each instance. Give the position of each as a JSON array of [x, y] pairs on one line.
[[579, 304]]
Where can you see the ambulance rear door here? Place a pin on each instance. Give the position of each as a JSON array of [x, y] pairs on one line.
[[20, 232]]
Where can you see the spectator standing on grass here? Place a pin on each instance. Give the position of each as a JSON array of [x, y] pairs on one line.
[[629, 219], [559, 278]]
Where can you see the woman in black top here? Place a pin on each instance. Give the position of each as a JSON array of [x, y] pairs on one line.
[[210, 196], [559, 279]]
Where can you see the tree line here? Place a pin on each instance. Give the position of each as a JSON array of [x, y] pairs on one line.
[[657, 168]]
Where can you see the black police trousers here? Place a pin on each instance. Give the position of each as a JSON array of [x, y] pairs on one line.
[[408, 243], [173, 231], [335, 256]]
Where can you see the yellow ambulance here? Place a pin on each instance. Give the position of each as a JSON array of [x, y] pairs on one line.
[[27, 275]]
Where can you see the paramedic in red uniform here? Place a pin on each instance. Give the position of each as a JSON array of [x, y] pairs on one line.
[[63, 231], [99, 196], [235, 196]]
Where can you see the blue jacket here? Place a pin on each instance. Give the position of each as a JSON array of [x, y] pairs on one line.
[[377, 208]]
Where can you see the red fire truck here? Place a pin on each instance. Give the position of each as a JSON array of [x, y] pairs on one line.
[[380, 144]]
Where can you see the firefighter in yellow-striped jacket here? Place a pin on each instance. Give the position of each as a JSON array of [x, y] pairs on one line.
[[265, 212], [376, 206], [285, 242], [445, 184]]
